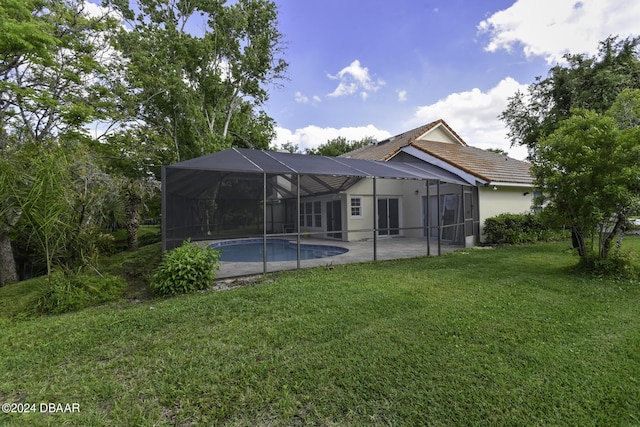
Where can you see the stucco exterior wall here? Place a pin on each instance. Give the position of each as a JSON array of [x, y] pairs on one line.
[[503, 199], [409, 192]]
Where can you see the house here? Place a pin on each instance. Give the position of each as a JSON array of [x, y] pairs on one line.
[[240, 193], [503, 184], [426, 185]]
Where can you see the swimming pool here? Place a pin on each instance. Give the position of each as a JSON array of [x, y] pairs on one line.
[[251, 250]]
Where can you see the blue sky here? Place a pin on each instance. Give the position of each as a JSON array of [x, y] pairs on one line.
[[378, 68]]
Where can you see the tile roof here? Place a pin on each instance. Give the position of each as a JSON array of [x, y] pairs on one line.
[[484, 165], [383, 150]]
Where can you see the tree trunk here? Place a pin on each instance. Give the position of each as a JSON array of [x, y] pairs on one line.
[[132, 212], [605, 245], [577, 239], [8, 273]]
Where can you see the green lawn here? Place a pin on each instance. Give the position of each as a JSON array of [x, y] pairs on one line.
[[503, 336]]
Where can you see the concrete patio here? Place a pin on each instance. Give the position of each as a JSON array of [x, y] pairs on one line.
[[362, 251]]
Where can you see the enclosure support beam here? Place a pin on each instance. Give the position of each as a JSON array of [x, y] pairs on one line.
[[427, 212], [439, 222], [264, 223], [462, 215], [375, 221], [163, 222], [298, 221]]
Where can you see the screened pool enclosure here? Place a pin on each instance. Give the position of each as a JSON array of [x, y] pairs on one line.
[[364, 210]]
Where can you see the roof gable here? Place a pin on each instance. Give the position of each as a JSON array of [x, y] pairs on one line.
[[441, 132], [385, 149]]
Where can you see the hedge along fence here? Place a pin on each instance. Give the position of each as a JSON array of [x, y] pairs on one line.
[[519, 228]]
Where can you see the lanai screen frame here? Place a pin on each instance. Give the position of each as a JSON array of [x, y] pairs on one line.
[[270, 163]]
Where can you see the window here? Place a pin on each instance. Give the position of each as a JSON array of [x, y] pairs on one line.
[[302, 217], [311, 214], [356, 207], [317, 214], [308, 210]]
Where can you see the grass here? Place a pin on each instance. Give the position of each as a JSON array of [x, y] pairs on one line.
[[146, 234], [134, 267], [503, 336]]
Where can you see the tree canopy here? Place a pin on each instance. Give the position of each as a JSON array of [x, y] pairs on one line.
[[582, 81], [580, 125], [157, 80], [589, 169], [337, 146], [198, 72]]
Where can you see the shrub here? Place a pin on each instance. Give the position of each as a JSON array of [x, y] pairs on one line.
[[519, 228], [63, 293], [618, 265], [186, 269]]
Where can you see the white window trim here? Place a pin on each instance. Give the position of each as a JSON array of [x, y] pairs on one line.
[[351, 215]]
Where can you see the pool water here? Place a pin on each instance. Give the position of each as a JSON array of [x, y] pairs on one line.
[[277, 250]]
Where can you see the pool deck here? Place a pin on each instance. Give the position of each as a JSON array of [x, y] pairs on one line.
[[361, 251]]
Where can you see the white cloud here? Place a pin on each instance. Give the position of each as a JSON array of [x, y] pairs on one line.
[[355, 78], [402, 95], [474, 116], [313, 136], [551, 28], [96, 11], [301, 98]]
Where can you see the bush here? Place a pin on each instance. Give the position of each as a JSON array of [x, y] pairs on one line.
[[519, 228], [186, 269], [618, 265], [63, 293]]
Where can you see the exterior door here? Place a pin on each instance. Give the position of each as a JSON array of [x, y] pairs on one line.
[[388, 216], [334, 219], [450, 206]]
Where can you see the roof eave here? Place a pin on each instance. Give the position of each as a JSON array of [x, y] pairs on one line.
[[465, 176], [510, 184]]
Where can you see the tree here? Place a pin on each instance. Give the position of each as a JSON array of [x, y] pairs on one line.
[[51, 67], [9, 215], [337, 146], [61, 200], [582, 82], [23, 36], [290, 147], [200, 87], [133, 158], [588, 170], [56, 91]]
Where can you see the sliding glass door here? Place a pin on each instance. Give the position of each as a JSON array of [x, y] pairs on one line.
[[388, 216]]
